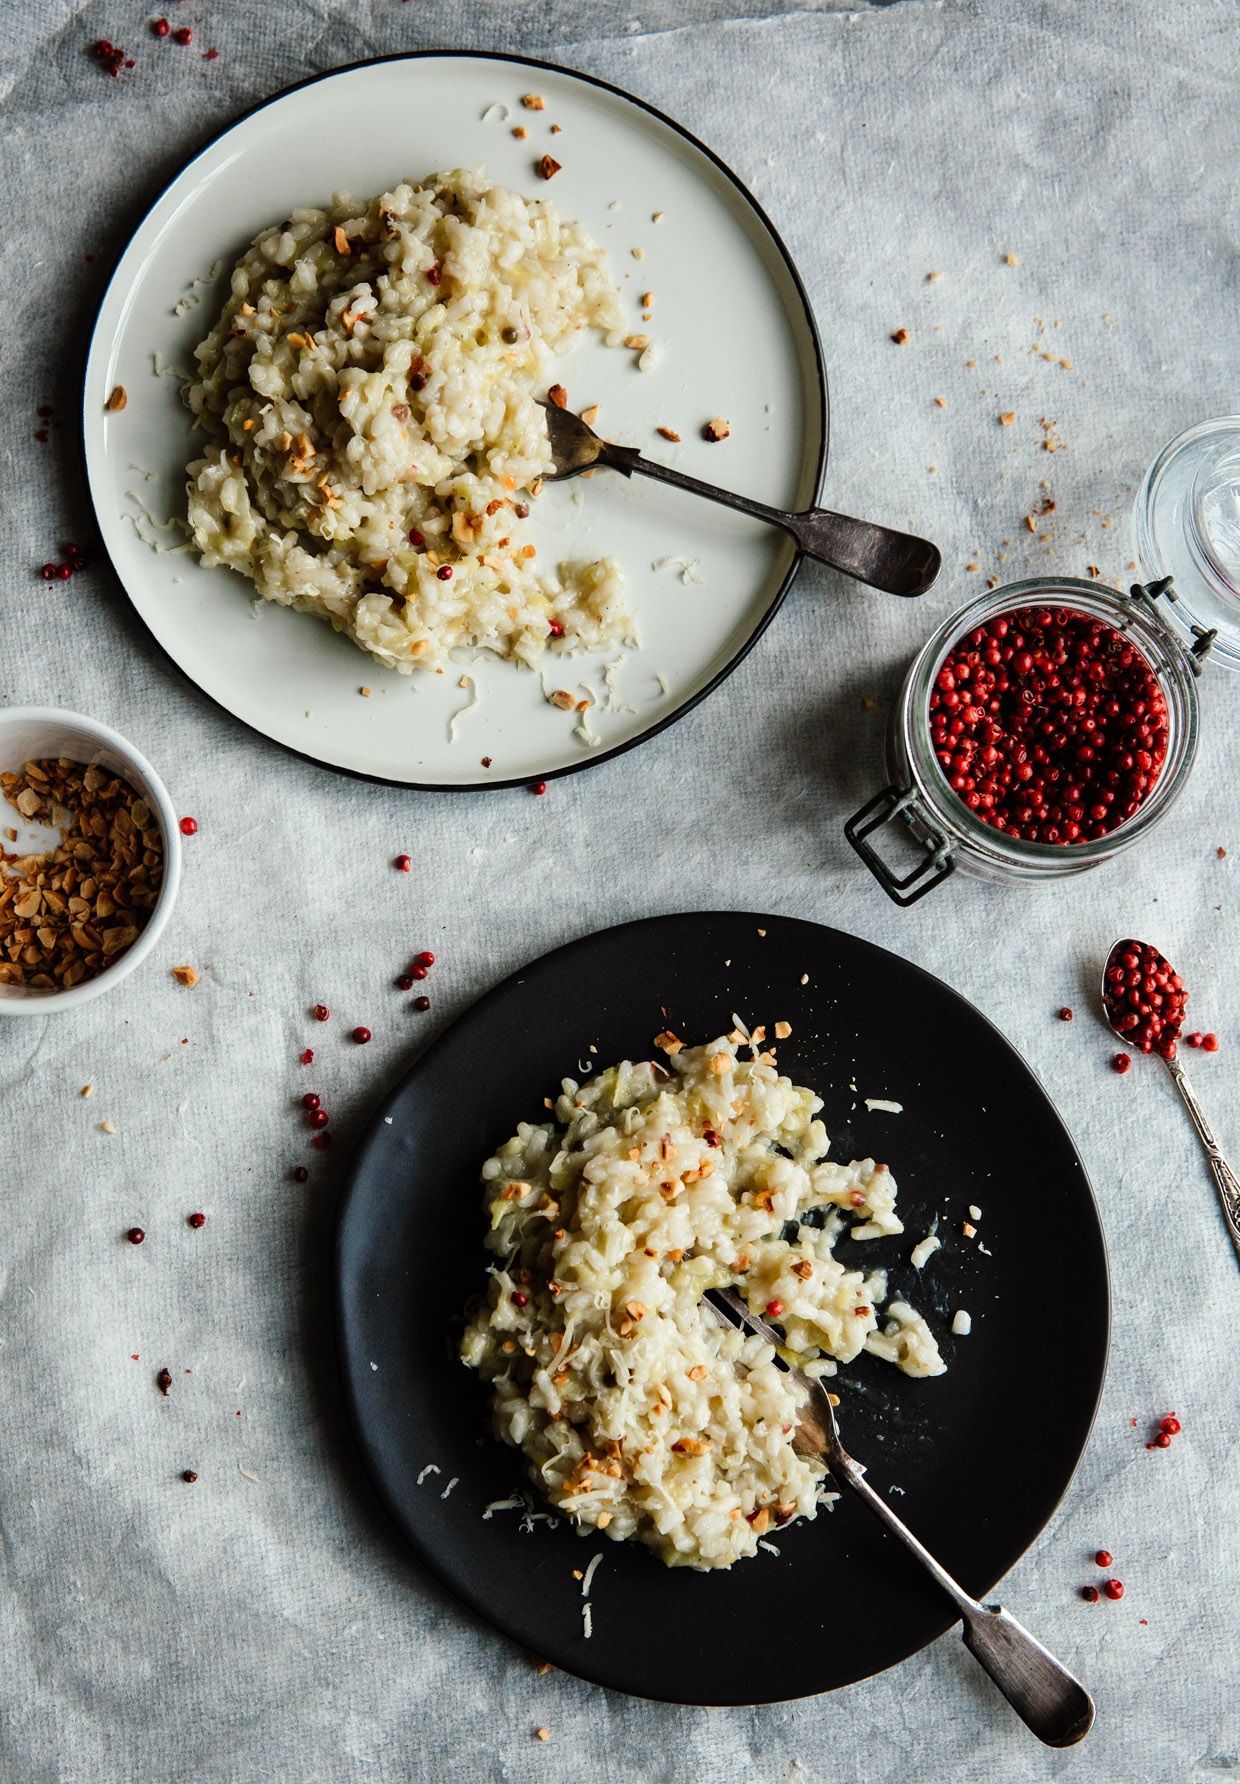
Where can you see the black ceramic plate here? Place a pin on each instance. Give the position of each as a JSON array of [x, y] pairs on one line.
[[980, 1462]]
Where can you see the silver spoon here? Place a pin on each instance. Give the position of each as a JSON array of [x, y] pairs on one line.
[[1117, 1011], [898, 563], [1044, 1694]]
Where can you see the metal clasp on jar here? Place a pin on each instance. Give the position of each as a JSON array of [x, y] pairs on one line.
[[901, 802]]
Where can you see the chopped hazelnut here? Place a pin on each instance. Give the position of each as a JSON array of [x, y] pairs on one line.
[[547, 168], [718, 429]]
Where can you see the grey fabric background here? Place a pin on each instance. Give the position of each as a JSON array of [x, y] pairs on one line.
[[242, 1631]]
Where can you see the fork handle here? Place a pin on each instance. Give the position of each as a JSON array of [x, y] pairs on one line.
[[897, 563], [1045, 1695]]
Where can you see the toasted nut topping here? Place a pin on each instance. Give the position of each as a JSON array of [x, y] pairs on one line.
[[185, 975], [341, 240], [637, 341], [668, 1042], [533, 102], [718, 429], [691, 1446], [118, 399], [669, 433], [547, 168], [558, 395], [900, 336], [635, 1309], [698, 1372], [968, 1229], [721, 1064], [782, 1030], [563, 699], [1006, 419], [590, 415]]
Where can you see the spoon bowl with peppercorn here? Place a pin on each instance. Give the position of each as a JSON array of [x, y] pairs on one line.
[[1144, 1001], [897, 563], [80, 907]]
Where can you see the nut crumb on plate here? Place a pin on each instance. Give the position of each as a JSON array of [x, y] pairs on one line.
[[547, 168], [118, 399], [185, 975], [718, 429]]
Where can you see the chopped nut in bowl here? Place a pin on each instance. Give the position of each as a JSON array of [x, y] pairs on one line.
[[90, 859]]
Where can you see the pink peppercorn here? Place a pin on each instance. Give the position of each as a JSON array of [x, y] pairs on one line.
[[425, 958], [310, 1100], [135, 1235], [307, 1057], [196, 1220], [1121, 1062], [361, 1036], [539, 788], [1209, 1043], [520, 1300], [300, 1174], [189, 826], [1114, 1588], [404, 863], [1089, 1594], [184, 36], [444, 572], [421, 1003], [160, 27], [322, 1141], [321, 1012]]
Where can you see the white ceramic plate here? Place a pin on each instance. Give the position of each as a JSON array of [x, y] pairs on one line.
[[735, 336]]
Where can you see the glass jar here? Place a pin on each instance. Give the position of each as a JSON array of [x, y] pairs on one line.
[[945, 833]]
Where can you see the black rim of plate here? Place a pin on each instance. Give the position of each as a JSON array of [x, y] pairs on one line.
[[780, 595], [1016, 1407]]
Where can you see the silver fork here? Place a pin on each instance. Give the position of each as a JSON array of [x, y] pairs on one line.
[[1044, 1694], [898, 563]]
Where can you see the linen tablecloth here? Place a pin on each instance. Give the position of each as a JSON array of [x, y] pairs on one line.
[[1070, 171]]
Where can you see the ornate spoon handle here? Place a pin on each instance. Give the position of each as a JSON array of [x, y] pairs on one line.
[[1225, 1181]]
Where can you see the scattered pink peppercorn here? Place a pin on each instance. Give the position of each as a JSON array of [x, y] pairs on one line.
[[160, 27], [322, 1141], [135, 1235], [300, 1174], [519, 1300], [321, 1012], [421, 1003], [404, 863], [189, 1476], [1114, 1588], [1104, 1557], [1194, 1040], [1163, 1440], [415, 537], [196, 1220], [48, 572], [163, 1381], [184, 36], [1170, 1425], [189, 826], [1089, 1594], [1065, 1015], [775, 1308], [310, 1101], [405, 984], [1209, 1043], [555, 628], [210, 55], [434, 274], [361, 1035], [539, 788], [63, 572], [444, 572], [1121, 1062], [319, 1118], [307, 1057], [425, 958]]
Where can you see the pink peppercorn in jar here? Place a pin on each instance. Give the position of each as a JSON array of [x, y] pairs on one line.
[[1041, 730]]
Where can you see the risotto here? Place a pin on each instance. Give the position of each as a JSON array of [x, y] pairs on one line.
[[369, 397], [638, 1413]]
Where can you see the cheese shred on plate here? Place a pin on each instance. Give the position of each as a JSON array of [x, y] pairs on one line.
[[639, 1414]]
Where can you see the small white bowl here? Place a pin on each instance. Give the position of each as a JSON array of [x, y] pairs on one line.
[[29, 733]]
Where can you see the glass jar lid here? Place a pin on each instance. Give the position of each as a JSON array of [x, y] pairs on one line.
[[1188, 527]]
